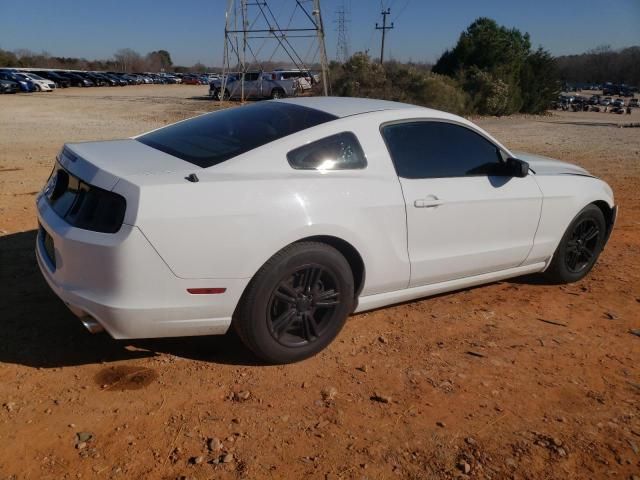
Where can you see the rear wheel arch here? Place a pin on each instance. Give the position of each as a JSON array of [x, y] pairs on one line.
[[349, 252], [346, 249]]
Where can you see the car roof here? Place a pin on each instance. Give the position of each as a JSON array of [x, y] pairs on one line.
[[348, 106]]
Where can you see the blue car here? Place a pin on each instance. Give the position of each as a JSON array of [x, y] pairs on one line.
[[26, 84]]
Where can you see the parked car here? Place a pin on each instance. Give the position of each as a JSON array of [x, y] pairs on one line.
[[75, 79], [618, 103], [106, 79], [170, 79], [25, 84], [145, 79], [9, 86], [256, 85], [633, 103], [190, 80], [606, 101], [281, 218], [59, 81], [123, 79], [610, 89], [41, 84]]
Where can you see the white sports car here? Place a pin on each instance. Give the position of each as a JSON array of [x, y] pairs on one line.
[[283, 217]]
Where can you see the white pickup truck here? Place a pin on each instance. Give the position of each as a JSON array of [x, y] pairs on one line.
[[256, 85]]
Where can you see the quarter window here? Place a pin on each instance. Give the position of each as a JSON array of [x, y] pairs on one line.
[[440, 149], [337, 152]]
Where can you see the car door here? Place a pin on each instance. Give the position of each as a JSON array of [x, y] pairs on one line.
[[465, 215], [251, 84]]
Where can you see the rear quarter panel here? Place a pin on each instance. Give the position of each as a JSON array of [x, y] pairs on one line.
[[243, 211]]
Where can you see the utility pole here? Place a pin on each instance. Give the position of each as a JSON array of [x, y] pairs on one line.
[[384, 29]]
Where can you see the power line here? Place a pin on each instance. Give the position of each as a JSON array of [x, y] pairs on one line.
[[251, 20], [384, 29], [404, 7]]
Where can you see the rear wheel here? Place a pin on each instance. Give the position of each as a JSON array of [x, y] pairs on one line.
[[296, 304], [277, 93], [219, 96], [579, 248]]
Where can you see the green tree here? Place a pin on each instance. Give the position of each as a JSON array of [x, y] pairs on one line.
[[362, 77], [159, 60], [488, 46], [499, 71], [539, 82]]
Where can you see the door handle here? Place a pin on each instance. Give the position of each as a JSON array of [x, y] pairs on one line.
[[430, 201]]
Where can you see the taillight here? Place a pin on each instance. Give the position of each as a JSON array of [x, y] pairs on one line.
[[84, 206]]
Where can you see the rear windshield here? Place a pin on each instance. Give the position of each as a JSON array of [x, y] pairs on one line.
[[215, 137]]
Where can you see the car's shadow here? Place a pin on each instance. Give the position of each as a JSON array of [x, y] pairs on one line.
[[37, 329]]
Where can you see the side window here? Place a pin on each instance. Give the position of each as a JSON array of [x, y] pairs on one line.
[[440, 149], [337, 152], [251, 76]]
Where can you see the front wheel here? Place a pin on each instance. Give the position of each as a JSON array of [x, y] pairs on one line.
[[579, 248], [296, 304]]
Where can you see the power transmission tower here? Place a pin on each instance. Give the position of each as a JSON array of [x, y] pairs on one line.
[[251, 27], [384, 29], [342, 21]]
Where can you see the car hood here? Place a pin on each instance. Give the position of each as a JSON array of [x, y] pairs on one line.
[[549, 166], [103, 163]]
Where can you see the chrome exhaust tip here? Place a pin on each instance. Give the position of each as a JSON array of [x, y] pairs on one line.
[[92, 324]]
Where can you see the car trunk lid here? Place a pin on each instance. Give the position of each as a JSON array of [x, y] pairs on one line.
[[103, 163]]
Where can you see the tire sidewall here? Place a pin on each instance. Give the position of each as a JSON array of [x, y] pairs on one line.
[[592, 212], [264, 284]]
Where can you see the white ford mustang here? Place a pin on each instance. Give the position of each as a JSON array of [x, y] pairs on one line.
[[281, 218]]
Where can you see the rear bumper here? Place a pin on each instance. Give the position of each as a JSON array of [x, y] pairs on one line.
[[119, 281]]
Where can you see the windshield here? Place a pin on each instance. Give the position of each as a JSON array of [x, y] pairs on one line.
[[215, 137], [35, 77]]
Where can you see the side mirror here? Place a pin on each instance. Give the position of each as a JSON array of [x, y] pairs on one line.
[[517, 168]]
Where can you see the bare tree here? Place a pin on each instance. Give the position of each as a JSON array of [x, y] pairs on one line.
[[128, 60]]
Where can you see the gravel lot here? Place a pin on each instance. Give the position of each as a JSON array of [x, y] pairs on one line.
[[465, 385]]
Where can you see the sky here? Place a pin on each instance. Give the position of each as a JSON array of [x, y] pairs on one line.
[[193, 30]]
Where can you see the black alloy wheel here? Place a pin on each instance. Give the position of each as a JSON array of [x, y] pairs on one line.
[[303, 306], [582, 246], [579, 247], [297, 303]]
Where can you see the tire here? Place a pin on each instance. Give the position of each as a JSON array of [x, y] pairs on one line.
[[218, 96], [277, 93], [296, 304], [38, 89], [579, 248]]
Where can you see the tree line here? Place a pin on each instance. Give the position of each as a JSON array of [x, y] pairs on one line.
[[123, 60], [602, 64]]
